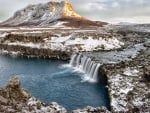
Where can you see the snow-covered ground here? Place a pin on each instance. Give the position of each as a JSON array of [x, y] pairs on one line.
[[120, 86], [74, 43], [7, 29], [88, 44], [131, 72], [126, 54], [3, 34], [126, 90], [59, 24], [52, 108]]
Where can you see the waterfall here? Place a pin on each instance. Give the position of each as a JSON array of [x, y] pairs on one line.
[[96, 72], [72, 61], [78, 60], [89, 67]]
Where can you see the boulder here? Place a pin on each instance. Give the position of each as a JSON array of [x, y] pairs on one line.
[[3, 100], [14, 83]]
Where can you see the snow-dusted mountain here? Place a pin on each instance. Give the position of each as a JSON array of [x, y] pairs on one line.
[[48, 14]]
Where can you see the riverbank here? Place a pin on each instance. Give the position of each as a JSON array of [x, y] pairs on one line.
[[128, 84]]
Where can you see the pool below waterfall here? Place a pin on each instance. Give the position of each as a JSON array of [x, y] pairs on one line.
[[51, 81]]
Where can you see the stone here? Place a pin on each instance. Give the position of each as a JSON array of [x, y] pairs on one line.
[[15, 92], [3, 100], [147, 44], [14, 83], [146, 73]]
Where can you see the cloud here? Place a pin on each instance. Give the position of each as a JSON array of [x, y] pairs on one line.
[[105, 10], [136, 19], [115, 4]]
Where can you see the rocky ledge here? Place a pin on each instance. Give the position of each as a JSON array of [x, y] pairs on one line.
[[129, 83]]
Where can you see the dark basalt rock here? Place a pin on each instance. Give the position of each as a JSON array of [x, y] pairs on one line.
[[28, 37]]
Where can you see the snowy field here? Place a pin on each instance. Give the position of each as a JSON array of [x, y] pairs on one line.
[[75, 43], [71, 41]]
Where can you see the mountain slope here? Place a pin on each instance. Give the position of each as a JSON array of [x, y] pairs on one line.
[[45, 15]]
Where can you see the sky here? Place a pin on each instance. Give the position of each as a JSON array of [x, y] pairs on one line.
[[113, 11]]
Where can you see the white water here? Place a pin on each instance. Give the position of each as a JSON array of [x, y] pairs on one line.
[[86, 65]]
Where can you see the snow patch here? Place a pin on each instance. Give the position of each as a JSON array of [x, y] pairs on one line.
[[59, 24], [2, 35], [7, 29], [30, 44], [49, 108], [90, 44], [131, 72]]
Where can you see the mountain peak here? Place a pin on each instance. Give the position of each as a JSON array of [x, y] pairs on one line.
[[68, 10], [46, 14]]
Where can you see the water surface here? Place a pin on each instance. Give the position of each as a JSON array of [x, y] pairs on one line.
[[49, 80]]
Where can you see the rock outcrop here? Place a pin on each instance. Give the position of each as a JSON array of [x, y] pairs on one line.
[[13, 93], [31, 52]]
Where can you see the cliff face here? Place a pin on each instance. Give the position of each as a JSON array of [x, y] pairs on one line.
[[48, 14]]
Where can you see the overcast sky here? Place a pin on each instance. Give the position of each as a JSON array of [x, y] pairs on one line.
[[136, 11]]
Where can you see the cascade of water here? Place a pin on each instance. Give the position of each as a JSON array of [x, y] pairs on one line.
[[82, 60], [92, 70], [72, 61], [86, 64], [78, 61], [96, 72], [90, 66]]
